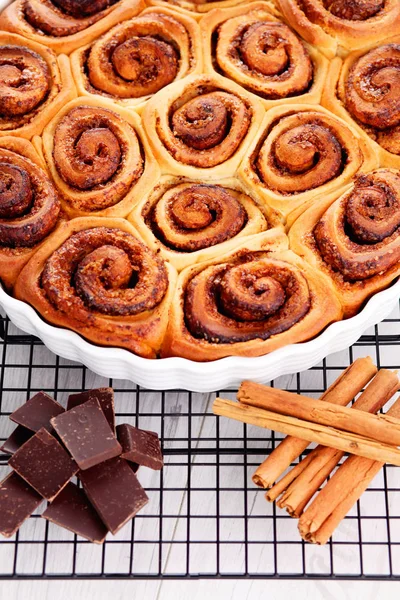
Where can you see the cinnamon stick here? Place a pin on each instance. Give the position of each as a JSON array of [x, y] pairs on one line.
[[341, 392], [381, 428], [312, 432], [331, 505], [302, 482]]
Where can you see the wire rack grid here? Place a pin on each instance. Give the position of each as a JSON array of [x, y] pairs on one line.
[[205, 518]]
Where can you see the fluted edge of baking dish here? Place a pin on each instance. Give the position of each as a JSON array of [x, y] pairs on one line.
[[181, 373]]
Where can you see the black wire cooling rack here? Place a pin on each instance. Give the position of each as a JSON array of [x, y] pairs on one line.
[[205, 518]]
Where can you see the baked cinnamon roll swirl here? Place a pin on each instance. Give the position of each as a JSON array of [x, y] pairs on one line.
[[139, 57], [333, 24], [354, 238], [201, 126], [364, 89], [29, 206], [97, 278], [64, 25], [302, 152], [190, 221], [98, 158], [34, 85], [248, 303], [251, 46]]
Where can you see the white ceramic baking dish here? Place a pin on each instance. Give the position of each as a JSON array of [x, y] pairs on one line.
[[169, 373]]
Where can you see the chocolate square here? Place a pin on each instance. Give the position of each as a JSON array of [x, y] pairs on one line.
[[140, 446], [19, 436], [17, 502], [44, 464], [86, 433], [73, 511], [105, 396], [37, 412], [114, 491]]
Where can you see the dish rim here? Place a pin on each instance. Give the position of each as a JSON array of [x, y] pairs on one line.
[[182, 373]]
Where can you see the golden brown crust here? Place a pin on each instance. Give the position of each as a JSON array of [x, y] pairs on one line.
[[248, 303], [301, 152], [364, 90], [354, 237], [195, 7], [98, 157], [96, 277], [339, 24], [34, 85], [201, 126], [190, 221], [165, 43], [29, 206], [47, 22], [253, 47]]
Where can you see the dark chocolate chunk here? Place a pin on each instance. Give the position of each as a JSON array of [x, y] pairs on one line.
[[85, 432], [37, 412], [19, 436], [114, 491], [44, 464], [139, 446], [105, 396], [72, 510], [17, 502]]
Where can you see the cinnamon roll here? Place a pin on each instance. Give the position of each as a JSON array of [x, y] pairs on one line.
[[249, 302], [190, 221], [97, 278], [34, 85], [98, 157], [64, 25], [302, 152], [201, 126], [251, 46], [29, 206], [137, 58], [364, 89], [354, 238], [339, 24]]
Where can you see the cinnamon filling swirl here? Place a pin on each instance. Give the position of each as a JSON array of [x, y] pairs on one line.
[[25, 82], [190, 217], [207, 129], [359, 235], [302, 151], [372, 94], [106, 271], [29, 207], [266, 57], [355, 10], [141, 56], [95, 150], [254, 297], [60, 18]]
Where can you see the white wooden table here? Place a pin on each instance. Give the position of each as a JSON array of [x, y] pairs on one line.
[[207, 476]]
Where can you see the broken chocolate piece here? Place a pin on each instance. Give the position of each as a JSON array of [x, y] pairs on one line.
[[73, 511], [19, 436], [105, 396], [17, 502], [37, 412], [140, 446], [44, 464], [86, 433], [114, 491]]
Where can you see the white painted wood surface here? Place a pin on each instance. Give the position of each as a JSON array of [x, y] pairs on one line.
[[203, 497]]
